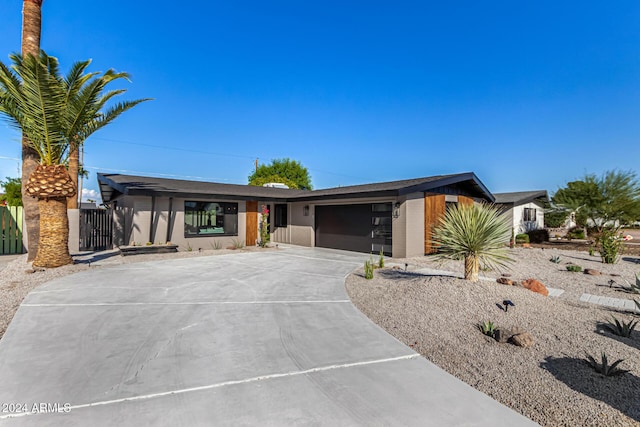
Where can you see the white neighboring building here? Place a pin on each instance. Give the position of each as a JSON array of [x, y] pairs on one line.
[[526, 209]]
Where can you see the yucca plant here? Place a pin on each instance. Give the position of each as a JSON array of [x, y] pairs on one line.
[[488, 328], [623, 328], [476, 233], [603, 367]]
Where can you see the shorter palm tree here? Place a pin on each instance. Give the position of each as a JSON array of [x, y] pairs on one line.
[[477, 233], [56, 114]]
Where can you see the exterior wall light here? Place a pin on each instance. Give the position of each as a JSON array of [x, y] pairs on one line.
[[305, 210], [396, 210]]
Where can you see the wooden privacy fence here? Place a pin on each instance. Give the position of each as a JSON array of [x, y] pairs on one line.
[[11, 229]]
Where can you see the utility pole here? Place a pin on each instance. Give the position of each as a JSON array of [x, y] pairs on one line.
[[256, 164]]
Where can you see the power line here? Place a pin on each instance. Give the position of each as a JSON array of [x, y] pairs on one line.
[[142, 144], [156, 174]]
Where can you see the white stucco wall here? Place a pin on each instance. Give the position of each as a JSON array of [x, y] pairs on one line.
[[519, 225]]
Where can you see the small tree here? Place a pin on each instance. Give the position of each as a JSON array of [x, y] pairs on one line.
[[610, 200], [475, 233], [12, 191], [291, 170]]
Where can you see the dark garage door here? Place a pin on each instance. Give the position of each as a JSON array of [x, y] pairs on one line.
[[360, 228]]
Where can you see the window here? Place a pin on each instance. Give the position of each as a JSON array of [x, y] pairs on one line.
[[210, 219], [280, 216], [529, 215]]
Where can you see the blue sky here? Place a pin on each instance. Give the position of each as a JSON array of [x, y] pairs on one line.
[[528, 95]]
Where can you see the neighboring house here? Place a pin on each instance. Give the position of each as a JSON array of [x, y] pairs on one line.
[[395, 217], [525, 208]]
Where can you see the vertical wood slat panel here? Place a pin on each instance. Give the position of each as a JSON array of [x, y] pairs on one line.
[[251, 223], [465, 201], [11, 217], [434, 209]]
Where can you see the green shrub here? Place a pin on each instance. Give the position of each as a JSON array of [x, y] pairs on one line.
[[368, 269], [575, 233], [381, 259], [610, 246], [603, 366], [522, 238], [574, 268], [538, 236]]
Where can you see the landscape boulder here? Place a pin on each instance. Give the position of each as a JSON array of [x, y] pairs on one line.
[[592, 272], [535, 286], [523, 339], [504, 281], [503, 335]]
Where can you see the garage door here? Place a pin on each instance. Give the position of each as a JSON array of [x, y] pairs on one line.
[[360, 228]]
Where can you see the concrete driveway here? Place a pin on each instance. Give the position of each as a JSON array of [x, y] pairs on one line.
[[264, 338]]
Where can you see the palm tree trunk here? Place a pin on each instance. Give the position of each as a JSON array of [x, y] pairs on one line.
[[471, 268], [74, 163], [53, 250], [31, 30]]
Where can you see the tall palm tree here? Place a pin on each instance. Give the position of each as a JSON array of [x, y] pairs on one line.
[[85, 102], [57, 114], [31, 31], [475, 233]]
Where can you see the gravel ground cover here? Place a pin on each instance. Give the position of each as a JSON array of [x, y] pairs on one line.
[[549, 382]]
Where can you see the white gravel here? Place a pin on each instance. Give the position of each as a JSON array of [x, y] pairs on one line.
[[549, 382]]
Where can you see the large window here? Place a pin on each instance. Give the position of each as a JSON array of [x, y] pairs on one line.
[[529, 215], [280, 216], [210, 219]]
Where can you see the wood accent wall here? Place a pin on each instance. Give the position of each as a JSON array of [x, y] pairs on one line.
[[465, 201], [252, 223], [434, 209]]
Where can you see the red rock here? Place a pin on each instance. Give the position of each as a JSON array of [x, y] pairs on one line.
[[535, 286], [591, 272]]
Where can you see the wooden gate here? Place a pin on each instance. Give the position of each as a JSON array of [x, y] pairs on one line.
[[95, 229], [11, 229]]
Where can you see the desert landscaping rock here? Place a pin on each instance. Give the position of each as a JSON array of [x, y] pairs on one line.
[[523, 339], [549, 382], [504, 281], [535, 286], [592, 272]]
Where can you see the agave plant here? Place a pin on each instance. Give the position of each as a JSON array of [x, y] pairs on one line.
[[603, 367], [555, 259], [488, 328], [623, 328], [477, 233]]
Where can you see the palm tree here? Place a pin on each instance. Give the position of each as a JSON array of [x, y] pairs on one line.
[[57, 115], [85, 102], [31, 31], [476, 233]]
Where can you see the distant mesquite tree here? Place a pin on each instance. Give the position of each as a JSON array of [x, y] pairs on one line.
[[612, 199], [285, 171]]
